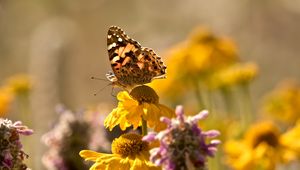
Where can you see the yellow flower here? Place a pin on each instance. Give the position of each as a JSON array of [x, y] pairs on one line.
[[220, 51], [175, 74], [242, 73], [20, 84], [283, 103], [195, 59], [6, 97], [129, 152], [263, 147], [141, 103], [203, 53], [291, 140]]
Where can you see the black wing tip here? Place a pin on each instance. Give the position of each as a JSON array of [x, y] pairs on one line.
[[148, 49], [114, 28]]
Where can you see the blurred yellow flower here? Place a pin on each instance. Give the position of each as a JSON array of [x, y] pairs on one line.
[[6, 97], [141, 103], [20, 84], [237, 74], [128, 152], [263, 147], [283, 103], [195, 59], [291, 140], [203, 53]]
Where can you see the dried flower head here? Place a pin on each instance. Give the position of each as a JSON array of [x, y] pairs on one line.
[[72, 133]]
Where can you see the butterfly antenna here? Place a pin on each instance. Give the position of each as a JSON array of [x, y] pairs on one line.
[[95, 94], [96, 78]]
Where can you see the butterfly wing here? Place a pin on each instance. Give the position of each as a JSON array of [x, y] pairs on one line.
[[151, 64], [132, 64]]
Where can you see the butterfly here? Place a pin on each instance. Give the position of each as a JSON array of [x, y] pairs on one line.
[[132, 64]]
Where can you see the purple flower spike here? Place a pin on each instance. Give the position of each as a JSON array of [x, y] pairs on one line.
[[166, 120], [183, 145], [199, 116], [150, 136], [179, 113], [73, 132], [11, 152], [211, 133]]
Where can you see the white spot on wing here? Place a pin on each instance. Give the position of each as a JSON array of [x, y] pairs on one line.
[[116, 58], [111, 77], [120, 39], [109, 36], [111, 46]]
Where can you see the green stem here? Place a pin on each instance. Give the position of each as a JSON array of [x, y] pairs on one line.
[[23, 108], [144, 127], [198, 95], [210, 101], [247, 104], [228, 99]]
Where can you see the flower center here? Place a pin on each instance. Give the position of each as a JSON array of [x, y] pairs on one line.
[[144, 94], [269, 137], [129, 145]]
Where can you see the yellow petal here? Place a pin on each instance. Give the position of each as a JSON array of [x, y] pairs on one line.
[[97, 166], [135, 116], [124, 122], [137, 165], [166, 112], [123, 96], [112, 120], [124, 163], [90, 155], [151, 114]]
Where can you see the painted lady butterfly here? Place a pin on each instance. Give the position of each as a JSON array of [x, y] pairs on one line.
[[131, 63]]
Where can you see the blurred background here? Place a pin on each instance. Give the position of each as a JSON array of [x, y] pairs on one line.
[[61, 44]]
